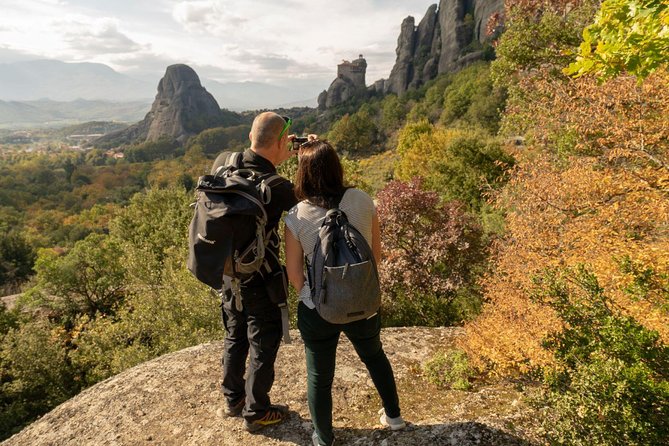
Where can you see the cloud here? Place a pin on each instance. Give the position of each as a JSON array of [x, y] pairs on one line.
[[9, 55], [97, 38], [208, 16]]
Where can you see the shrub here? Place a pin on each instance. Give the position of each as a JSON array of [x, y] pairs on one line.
[[431, 248], [610, 382], [154, 320], [35, 374], [404, 309], [449, 370]]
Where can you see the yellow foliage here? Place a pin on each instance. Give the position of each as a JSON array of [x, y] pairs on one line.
[[603, 199], [424, 150]]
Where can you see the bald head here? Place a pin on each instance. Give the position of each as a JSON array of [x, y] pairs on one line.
[[265, 130]]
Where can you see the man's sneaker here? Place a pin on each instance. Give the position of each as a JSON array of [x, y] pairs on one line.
[[275, 415], [235, 409], [317, 442], [393, 423]]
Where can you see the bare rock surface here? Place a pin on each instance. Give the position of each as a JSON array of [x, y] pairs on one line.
[[176, 400], [449, 37], [182, 107]]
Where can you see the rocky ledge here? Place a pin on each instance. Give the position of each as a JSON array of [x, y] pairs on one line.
[[176, 400]]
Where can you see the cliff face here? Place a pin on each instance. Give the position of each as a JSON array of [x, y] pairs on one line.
[[182, 108], [446, 39]]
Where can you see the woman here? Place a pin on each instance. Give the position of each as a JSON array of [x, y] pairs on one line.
[[320, 186]]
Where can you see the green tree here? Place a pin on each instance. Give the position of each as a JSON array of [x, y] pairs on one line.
[[460, 164], [16, 260], [355, 133], [471, 100], [213, 141], [149, 228], [627, 36], [539, 39], [89, 279]]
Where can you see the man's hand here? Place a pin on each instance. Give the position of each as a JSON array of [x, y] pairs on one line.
[[284, 149]]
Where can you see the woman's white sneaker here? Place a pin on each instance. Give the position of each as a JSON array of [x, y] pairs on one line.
[[394, 424]]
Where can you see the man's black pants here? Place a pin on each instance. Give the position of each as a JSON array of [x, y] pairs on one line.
[[256, 329]]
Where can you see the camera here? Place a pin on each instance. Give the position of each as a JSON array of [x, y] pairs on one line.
[[298, 141]]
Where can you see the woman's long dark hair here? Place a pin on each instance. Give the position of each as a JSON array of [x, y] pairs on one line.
[[320, 176]]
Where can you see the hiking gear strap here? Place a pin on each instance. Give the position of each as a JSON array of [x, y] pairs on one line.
[[233, 285], [285, 323]]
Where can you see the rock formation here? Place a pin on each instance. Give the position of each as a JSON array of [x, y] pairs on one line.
[[182, 108], [446, 39], [350, 82]]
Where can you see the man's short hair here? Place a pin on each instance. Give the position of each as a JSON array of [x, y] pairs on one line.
[[265, 129]]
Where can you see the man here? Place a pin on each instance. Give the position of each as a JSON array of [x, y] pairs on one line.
[[257, 327]]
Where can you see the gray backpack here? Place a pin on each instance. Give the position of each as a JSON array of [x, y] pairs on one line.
[[342, 276]]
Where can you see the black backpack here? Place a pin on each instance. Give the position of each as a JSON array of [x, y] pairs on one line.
[[343, 277], [227, 238]]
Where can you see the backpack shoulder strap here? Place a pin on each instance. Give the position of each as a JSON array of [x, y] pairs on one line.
[[236, 159], [265, 186], [227, 160]]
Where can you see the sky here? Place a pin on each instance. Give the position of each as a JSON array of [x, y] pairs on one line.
[[287, 42]]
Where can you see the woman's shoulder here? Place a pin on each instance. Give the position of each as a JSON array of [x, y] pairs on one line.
[[359, 196], [303, 209]]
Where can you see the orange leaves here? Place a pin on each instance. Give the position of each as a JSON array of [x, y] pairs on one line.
[[591, 187]]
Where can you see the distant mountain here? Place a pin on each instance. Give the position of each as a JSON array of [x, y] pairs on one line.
[[54, 113], [60, 81]]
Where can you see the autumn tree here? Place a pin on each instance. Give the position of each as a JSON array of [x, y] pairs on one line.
[[590, 187], [431, 248]]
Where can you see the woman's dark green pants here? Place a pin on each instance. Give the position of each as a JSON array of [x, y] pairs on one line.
[[320, 345]]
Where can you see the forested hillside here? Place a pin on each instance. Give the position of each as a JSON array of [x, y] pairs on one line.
[[525, 198]]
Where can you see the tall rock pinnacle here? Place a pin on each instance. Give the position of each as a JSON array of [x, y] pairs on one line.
[[182, 105], [446, 39], [182, 108]]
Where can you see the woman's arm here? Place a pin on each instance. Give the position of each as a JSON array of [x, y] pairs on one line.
[[294, 260], [376, 238]]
